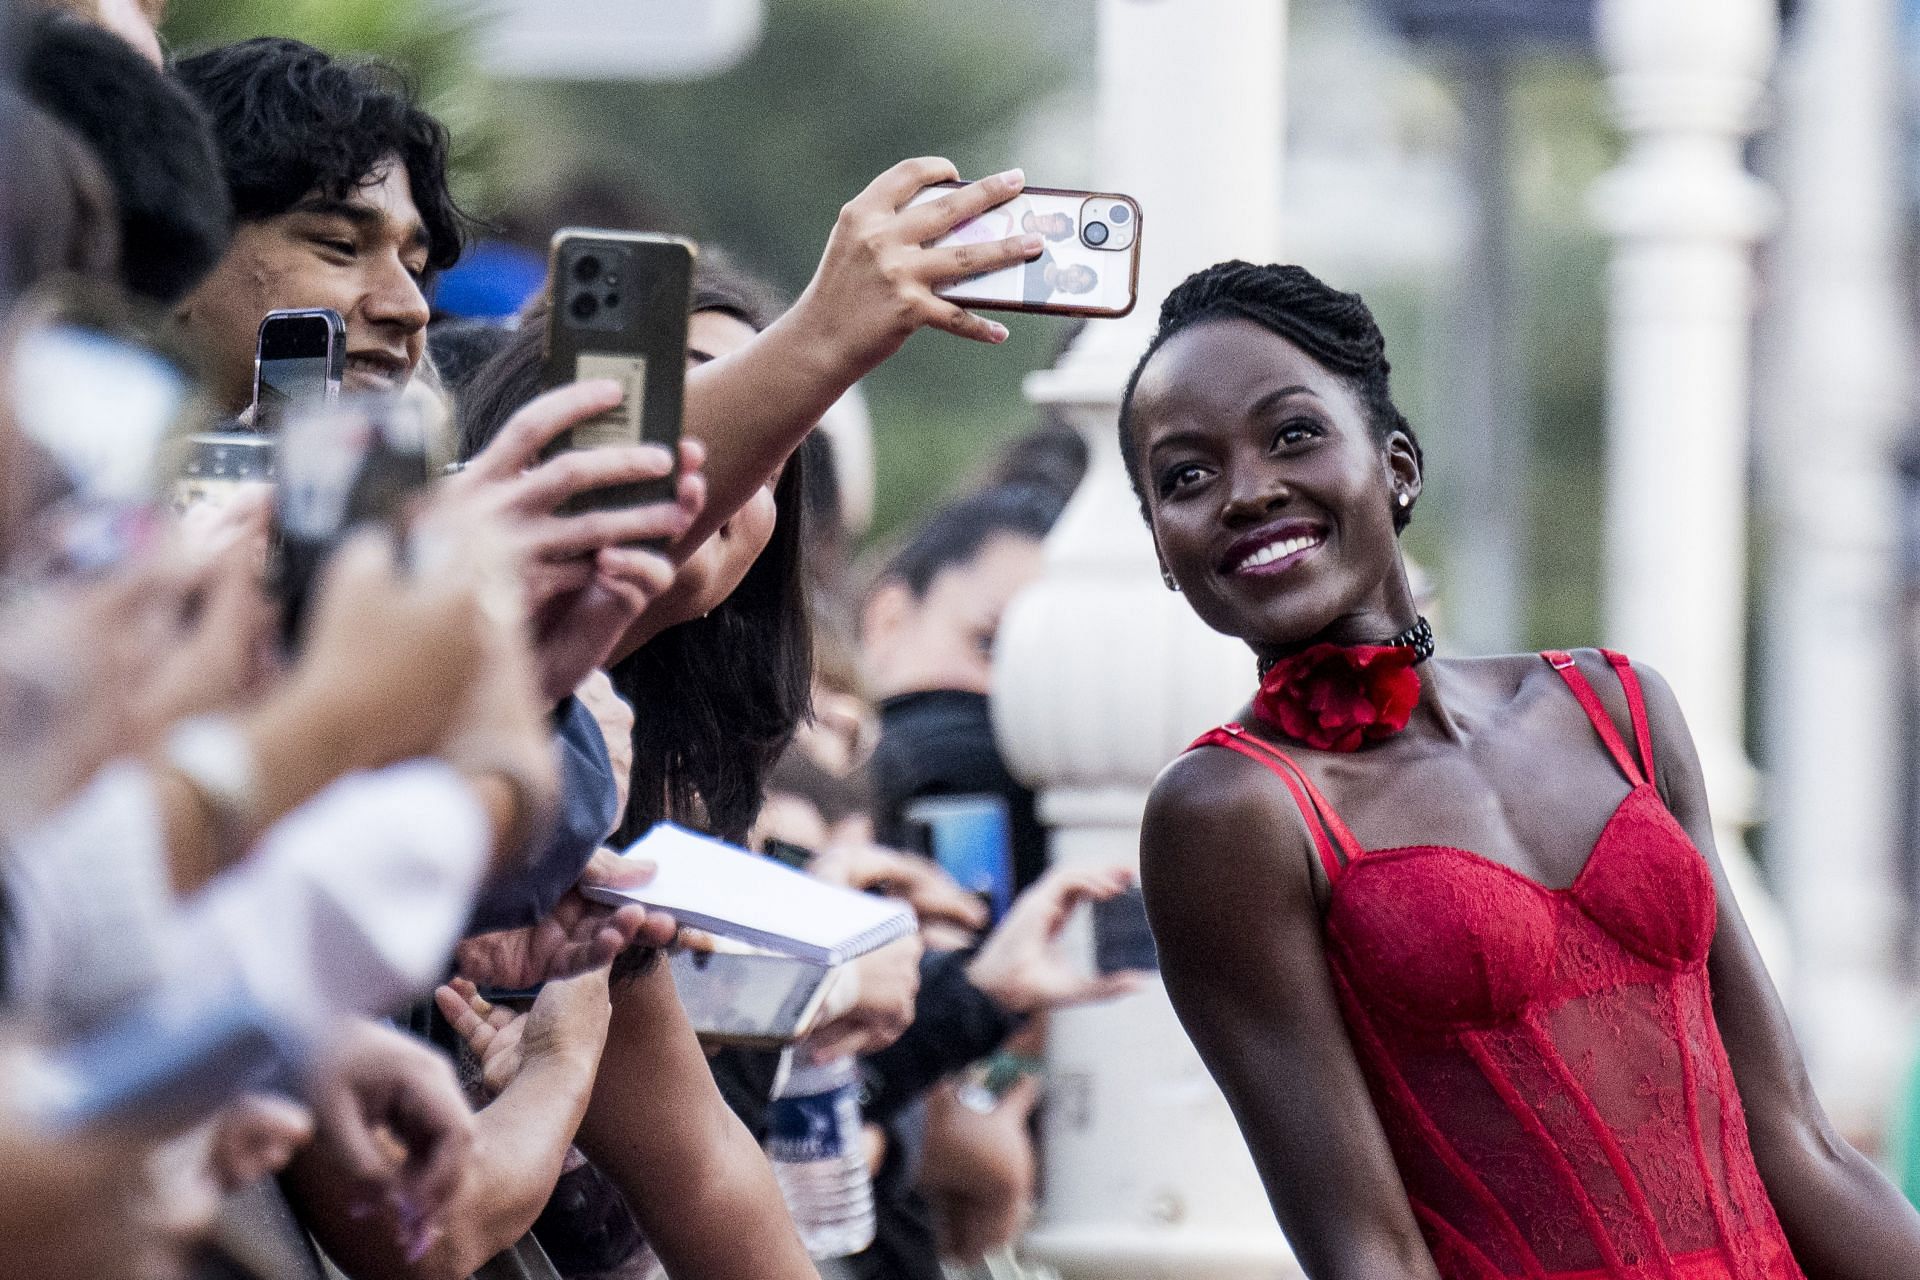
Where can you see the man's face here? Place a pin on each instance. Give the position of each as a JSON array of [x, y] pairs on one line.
[[363, 256]]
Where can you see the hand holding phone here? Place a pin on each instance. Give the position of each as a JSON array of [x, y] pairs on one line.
[[617, 308], [1088, 265], [358, 462]]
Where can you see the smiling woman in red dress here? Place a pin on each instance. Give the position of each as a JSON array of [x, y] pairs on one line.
[[1451, 934]]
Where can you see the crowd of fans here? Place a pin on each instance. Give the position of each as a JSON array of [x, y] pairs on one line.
[[355, 843]]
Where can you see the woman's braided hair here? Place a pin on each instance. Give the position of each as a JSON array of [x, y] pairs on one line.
[[1334, 328]]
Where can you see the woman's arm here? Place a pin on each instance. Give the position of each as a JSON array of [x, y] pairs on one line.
[[873, 290], [697, 1184], [520, 1141], [1224, 861], [1843, 1219]]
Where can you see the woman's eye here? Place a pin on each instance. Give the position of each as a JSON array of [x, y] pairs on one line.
[[1296, 431], [342, 247], [1179, 477]]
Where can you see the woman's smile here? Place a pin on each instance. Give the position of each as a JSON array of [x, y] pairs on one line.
[[1274, 548]]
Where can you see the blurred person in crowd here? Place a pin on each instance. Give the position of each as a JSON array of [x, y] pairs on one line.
[[57, 203], [1557, 1054], [927, 635], [153, 141], [137, 22]]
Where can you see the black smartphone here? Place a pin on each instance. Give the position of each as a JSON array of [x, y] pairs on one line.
[[299, 360], [357, 462], [617, 308], [1122, 940]]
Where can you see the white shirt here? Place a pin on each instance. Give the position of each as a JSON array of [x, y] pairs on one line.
[[350, 904]]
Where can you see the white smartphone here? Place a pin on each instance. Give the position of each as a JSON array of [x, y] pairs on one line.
[[1090, 265]]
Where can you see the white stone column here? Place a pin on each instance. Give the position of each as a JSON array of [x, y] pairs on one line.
[[1835, 393], [1103, 676], [1686, 81]]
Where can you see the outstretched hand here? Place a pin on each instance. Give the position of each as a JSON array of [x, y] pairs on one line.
[[875, 283], [578, 935], [568, 1017], [1021, 964]]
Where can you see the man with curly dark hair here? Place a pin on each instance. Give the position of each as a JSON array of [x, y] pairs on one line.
[[339, 186]]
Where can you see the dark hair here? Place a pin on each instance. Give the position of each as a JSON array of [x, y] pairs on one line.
[[291, 120], [56, 207], [1334, 328], [715, 699], [461, 348], [955, 534], [1053, 456], [152, 140]]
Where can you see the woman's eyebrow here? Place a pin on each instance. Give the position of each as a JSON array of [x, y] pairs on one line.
[[1178, 439], [1272, 398]]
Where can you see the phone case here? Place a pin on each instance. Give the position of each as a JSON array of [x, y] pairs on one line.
[[1090, 265], [299, 359], [618, 309]]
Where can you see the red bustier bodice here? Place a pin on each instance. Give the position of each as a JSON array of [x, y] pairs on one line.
[[1545, 1061]]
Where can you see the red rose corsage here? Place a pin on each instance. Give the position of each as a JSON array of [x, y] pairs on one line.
[[1335, 697]]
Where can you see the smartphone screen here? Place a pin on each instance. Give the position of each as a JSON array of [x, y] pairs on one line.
[[355, 463], [971, 838], [297, 364], [101, 409], [1122, 939]]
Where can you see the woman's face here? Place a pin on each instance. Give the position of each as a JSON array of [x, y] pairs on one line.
[[1269, 498]]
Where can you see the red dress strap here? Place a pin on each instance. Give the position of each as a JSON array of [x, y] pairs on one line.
[[1636, 707], [1562, 662], [1323, 823]]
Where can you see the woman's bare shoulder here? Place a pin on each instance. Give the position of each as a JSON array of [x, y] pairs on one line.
[[1221, 829]]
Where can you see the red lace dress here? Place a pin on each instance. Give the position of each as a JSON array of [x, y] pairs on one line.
[[1545, 1061]]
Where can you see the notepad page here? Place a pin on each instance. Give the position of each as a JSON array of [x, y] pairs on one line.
[[717, 886]]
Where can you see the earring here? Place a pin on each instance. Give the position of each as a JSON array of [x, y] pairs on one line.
[[1167, 578], [1406, 500]]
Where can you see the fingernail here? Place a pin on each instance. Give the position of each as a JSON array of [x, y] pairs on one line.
[[1031, 244], [999, 331], [1012, 177]]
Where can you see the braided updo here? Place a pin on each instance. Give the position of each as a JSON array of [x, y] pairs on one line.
[[1334, 328]]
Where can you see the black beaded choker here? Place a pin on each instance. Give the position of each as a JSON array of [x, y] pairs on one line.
[[1418, 637]]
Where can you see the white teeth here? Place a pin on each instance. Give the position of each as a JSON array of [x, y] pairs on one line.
[[1279, 550]]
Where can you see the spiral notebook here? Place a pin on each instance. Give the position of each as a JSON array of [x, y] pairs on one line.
[[726, 890]]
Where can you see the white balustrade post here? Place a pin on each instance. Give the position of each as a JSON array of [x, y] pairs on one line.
[[1836, 392], [1686, 82], [1102, 676]]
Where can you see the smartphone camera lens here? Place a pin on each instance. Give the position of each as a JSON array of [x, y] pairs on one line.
[[1119, 214], [586, 269], [612, 301], [584, 306], [1095, 233]]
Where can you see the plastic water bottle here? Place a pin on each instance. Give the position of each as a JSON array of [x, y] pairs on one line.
[[813, 1140]]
